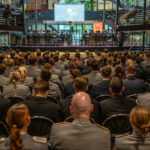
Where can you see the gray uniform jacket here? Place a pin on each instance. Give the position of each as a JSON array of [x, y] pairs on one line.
[[4, 80], [144, 100], [94, 77], [28, 144], [81, 134], [21, 91], [132, 141]]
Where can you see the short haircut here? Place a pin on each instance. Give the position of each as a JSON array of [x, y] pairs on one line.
[[47, 66], [72, 65], [75, 73], [130, 69], [94, 65], [56, 58], [45, 75], [41, 86], [11, 62], [106, 71], [116, 85], [52, 61], [81, 83], [32, 59], [2, 68]]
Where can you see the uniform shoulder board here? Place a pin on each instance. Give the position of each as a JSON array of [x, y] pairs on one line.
[[101, 127], [60, 123], [39, 139], [2, 139], [54, 84]]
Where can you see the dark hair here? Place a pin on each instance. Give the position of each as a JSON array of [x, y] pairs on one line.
[[140, 117], [72, 65], [130, 69], [52, 61], [17, 118], [41, 86], [40, 60], [56, 58], [2, 68], [32, 60], [118, 71], [94, 65], [116, 85], [106, 71], [47, 66], [75, 73], [81, 83], [45, 75]]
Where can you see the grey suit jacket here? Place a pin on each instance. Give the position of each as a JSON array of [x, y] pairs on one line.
[[132, 141], [81, 134], [33, 71], [144, 100], [21, 91], [28, 144]]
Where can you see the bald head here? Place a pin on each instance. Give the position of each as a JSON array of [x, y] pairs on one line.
[[81, 105]]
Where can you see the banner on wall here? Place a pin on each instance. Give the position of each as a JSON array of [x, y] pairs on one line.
[[97, 26]]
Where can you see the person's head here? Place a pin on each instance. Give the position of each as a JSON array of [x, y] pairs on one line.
[[56, 58], [94, 65], [51, 61], [32, 60], [75, 73], [11, 63], [116, 86], [81, 106], [48, 66], [130, 71], [22, 70], [81, 84], [40, 60], [72, 65], [18, 119], [110, 61], [14, 76], [45, 75], [41, 88], [118, 71], [128, 62], [2, 69], [140, 120], [106, 72]]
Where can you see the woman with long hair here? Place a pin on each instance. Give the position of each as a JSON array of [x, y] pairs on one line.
[[18, 120], [15, 88], [140, 138], [28, 81]]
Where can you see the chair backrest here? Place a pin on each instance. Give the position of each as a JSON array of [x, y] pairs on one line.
[[118, 124], [40, 126], [102, 97], [15, 100], [3, 130], [70, 119]]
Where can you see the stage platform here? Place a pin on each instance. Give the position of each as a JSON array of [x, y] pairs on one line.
[[72, 48]]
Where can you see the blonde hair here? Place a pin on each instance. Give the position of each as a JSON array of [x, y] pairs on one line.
[[140, 117], [14, 77], [22, 70]]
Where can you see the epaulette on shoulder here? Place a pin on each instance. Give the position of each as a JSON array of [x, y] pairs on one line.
[[39, 139], [54, 84], [2, 139], [122, 135], [101, 127], [60, 123]]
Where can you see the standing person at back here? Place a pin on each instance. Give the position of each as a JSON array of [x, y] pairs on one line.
[[81, 134]]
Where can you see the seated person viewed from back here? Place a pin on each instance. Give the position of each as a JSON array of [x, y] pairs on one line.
[[118, 104], [15, 88], [81, 134], [102, 88], [80, 84], [38, 104], [140, 138], [131, 83], [18, 120]]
